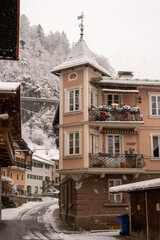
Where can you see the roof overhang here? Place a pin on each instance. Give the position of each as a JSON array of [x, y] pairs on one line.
[[127, 82], [57, 70], [120, 90], [100, 171], [138, 186]]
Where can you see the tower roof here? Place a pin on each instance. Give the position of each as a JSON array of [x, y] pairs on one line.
[[80, 55]]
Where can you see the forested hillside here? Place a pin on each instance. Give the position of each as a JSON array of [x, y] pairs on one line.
[[39, 53]]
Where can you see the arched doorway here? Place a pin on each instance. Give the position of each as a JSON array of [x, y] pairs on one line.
[[29, 190]]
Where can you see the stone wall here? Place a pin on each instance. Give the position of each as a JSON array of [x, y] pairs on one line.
[[19, 200]]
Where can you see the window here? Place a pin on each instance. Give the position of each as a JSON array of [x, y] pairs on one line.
[[92, 103], [22, 177], [113, 98], [47, 178], [74, 143], [17, 176], [155, 105], [47, 166], [4, 173], [116, 197], [114, 144], [11, 175], [156, 146], [94, 143], [74, 100], [57, 179]]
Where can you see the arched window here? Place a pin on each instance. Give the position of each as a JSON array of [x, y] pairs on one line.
[[35, 190]]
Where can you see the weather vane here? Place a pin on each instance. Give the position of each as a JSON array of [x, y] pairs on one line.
[[81, 24]]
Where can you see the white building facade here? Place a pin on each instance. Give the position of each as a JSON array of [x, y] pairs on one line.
[[39, 179]]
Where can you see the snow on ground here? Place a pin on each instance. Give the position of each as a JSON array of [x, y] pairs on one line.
[[13, 213], [50, 219]]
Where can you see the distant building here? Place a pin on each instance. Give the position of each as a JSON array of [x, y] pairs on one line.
[[55, 175], [22, 161], [39, 180]]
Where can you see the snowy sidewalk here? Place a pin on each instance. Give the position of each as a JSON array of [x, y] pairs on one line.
[[67, 233]]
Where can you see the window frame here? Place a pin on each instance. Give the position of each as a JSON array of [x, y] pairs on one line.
[[93, 97], [120, 143], [67, 99], [155, 135], [153, 94], [74, 143], [113, 94], [114, 195], [94, 142], [67, 146]]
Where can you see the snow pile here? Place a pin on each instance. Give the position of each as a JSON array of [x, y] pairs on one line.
[[154, 183]]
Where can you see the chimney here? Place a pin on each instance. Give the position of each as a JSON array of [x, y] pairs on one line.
[[125, 74]]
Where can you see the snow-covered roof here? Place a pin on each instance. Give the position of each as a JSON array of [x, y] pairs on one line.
[[80, 55], [144, 185], [9, 86], [129, 82], [42, 159]]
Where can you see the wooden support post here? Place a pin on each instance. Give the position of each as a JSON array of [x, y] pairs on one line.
[[147, 229], [0, 191], [130, 216]]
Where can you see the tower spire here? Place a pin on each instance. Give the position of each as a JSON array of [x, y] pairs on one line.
[[81, 24]]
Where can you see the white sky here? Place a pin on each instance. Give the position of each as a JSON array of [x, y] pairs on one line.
[[127, 32]]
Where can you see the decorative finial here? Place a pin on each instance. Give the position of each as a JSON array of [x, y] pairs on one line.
[[81, 24]]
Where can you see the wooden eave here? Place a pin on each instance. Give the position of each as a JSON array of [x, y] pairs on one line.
[[6, 148]]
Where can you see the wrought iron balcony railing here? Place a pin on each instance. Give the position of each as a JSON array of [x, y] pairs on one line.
[[20, 162], [103, 160], [115, 114]]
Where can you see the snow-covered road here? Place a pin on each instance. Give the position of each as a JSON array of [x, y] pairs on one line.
[[38, 220]]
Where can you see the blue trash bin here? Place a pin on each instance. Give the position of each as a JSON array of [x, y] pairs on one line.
[[124, 224]]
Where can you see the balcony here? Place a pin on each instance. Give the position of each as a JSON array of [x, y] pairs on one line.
[[103, 160], [6, 148], [22, 163], [115, 114]]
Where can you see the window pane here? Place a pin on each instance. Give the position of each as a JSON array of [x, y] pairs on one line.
[[153, 98], [76, 150], [71, 101], [111, 197], [91, 97], [76, 143], [116, 99], [155, 147], [110, 144], [118, 182], [111, 183], [109, 100], [118, 197], [117, 148], [76, 99], [153, 105], [71, 143]]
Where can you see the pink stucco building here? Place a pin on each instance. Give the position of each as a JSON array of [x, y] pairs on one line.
[[109, 134]]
